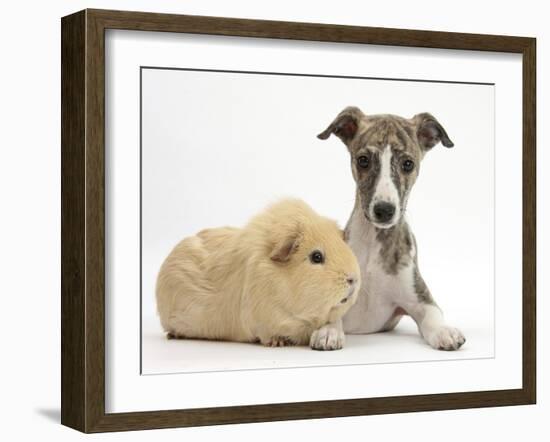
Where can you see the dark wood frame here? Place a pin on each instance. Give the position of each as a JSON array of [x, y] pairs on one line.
[[83, 220]]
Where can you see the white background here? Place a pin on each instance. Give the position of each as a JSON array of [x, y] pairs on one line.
[[30, 193], [218, 147], [127, 391]]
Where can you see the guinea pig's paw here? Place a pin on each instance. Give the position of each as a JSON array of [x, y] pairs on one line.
[[278, 341], [446, 338], [328, 337], [174, 335]]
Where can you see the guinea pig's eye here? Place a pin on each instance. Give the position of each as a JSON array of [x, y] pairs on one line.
[[317, 257], [363, 161], [407, 165]]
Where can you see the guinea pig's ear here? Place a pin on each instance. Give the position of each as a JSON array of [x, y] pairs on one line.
[[284, 249], [430, 132], [345, 125]]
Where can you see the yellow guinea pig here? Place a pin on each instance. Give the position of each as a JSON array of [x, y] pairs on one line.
[[278, 280]]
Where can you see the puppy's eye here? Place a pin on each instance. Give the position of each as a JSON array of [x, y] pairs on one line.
[[363, 161], [407, 166], [317, 257]]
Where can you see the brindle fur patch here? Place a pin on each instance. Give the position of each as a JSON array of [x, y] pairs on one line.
[[367, 178], [396, 247], [422, 292]]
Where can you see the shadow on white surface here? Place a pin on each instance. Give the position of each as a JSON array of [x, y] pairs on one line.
[[51, 414]]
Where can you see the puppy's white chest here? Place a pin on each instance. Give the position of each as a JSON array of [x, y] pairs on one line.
[[380, 292]]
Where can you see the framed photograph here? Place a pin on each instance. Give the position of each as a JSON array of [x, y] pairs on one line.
[[271, 220]]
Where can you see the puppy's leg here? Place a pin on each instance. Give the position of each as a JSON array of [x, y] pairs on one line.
[[434, 330], [328, 337], [429, 318]]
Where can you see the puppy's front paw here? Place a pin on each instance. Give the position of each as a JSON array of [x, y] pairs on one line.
[[446, 338], [328, 337]]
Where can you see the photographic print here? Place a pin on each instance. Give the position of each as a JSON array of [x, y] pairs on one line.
[[270, 220], [248, 166]]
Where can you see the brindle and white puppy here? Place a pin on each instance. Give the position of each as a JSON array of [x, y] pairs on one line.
[[386, 152]]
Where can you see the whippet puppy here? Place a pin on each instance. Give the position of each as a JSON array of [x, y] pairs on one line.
[[386, 152]]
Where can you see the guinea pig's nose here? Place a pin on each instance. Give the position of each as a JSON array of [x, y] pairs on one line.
[[351, 280]]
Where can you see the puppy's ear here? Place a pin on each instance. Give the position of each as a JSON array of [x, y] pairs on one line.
[[430, 132], [285, 248], [345, 125]]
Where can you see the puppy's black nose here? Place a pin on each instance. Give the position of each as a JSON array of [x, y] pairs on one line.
[[383, 212]]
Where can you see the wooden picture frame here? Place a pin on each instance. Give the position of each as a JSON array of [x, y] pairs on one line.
[[83, 219]]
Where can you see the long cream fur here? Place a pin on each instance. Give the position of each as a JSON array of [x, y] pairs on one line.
[[258, 283]]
